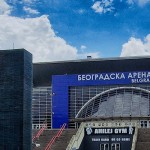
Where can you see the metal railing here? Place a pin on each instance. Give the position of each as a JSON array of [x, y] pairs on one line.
[[48, 147], [39, 132]]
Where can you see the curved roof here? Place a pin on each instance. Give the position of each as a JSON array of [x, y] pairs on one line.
[[118, 102]]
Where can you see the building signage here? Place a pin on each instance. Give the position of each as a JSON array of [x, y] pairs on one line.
[[114, 139], [61, 84], [108, 131], [133, 77]]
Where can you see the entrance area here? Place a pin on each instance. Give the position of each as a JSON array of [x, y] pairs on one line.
[[104, 146], [114, 146]]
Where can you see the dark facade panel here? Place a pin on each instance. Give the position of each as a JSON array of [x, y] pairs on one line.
[[44, 71], [15, 99]]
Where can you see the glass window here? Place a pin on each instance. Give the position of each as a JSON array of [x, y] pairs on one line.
[[41, 106], [104, 146], [144, 123], [115, 146]]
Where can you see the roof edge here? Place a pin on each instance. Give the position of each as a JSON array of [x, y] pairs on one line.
[[95, 59]]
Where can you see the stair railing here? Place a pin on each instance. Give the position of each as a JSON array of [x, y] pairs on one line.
[[56, 136], [39, 132]]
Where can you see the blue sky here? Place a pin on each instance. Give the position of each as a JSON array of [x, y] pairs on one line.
[[73, 29], [79, 24]]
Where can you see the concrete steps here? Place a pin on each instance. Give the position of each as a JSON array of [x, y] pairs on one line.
[[143, 139], [143, 146], [60, 143]]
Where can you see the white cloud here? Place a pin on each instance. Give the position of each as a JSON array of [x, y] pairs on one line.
[[30, 10], [143, 2], [81, 11], [35, 35], [138, 2], [136, 47], [130, 2], [97, 7], [103, 6], [83, 47], [5, 9], [28, 1]]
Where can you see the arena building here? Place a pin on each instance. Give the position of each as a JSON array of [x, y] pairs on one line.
[[112, 97], [117, 87]]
